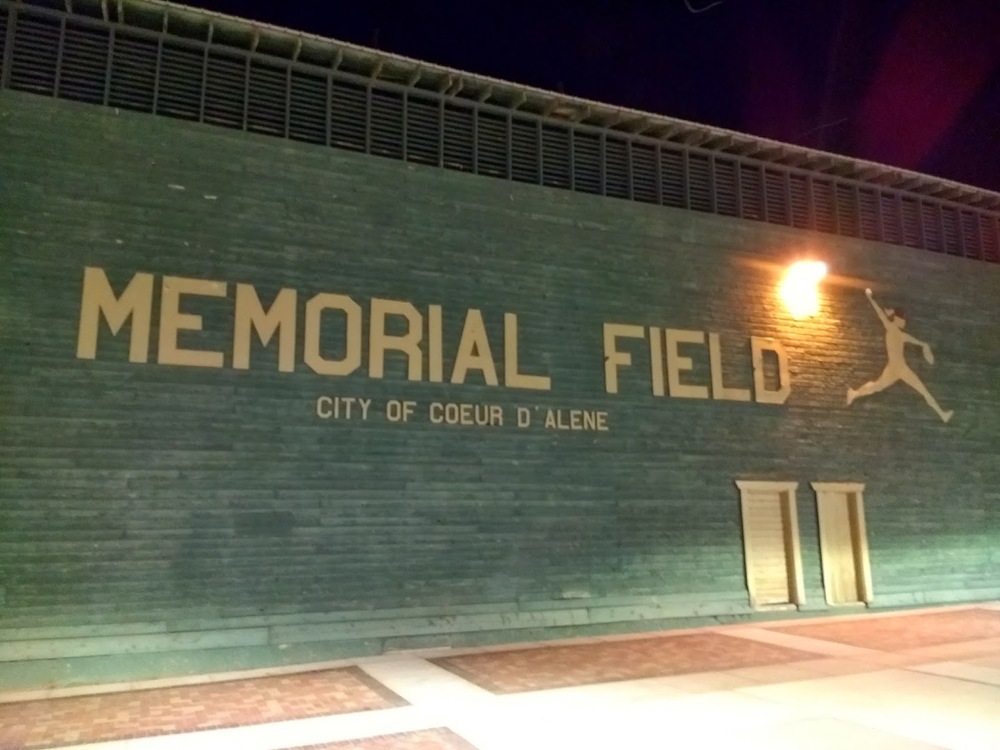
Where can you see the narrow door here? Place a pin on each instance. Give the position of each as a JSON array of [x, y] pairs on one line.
[[843, 543], [771, 544]]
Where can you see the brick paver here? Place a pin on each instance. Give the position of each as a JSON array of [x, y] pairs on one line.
[[565, 666], [905, 631], [41, 724], [427, 739], [97, 718]]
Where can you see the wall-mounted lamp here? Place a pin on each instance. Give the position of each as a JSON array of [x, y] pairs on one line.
[[799, 288]]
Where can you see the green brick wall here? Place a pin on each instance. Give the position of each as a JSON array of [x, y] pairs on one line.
[[158, 519]]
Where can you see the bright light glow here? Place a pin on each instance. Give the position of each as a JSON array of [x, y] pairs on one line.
[[799, 289]]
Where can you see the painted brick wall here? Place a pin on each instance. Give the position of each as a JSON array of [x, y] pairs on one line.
[[150, 508]]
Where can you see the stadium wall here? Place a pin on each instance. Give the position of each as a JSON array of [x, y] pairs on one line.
[[179, 497]]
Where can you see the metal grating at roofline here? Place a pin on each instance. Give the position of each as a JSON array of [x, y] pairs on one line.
[[175, 61], [254, 36]]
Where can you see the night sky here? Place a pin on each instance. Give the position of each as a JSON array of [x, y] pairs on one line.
[[911, 83]]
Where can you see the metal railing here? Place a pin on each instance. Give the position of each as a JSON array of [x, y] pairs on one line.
[[96, 59]]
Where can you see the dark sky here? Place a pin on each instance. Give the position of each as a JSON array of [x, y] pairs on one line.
[[911, 83]]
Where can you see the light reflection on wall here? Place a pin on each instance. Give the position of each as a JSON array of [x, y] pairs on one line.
[[799, 288]]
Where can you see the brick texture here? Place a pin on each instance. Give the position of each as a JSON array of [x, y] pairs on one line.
[[587, 664], [135, 493], [115, 716], [910, 632]]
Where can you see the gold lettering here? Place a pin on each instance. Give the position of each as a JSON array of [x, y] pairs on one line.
[[352, 335], [511, 377], [719, 390], [98, 298], [280, 319], [173, 321], [474, 351], [613, 359], [677, 364], [435, 361], [435, 412], [762, 395], [656, 360], [323, 410], [409, 343]]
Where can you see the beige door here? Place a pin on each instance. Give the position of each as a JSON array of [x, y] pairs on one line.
[[843, 543], [771, 543]]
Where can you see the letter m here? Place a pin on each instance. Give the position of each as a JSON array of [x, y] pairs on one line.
[[99, 299]]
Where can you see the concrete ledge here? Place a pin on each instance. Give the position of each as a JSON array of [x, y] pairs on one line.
[[424, 626], [64, 648], [108, 663], [200, 632], [949, 596], [421, 627], [29, 680]]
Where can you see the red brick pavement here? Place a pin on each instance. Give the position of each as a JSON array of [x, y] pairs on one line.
[[902, 632], [585, 664], [113, 716], [428, 739]]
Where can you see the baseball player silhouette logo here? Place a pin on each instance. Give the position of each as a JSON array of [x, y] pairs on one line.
[[896, 368]]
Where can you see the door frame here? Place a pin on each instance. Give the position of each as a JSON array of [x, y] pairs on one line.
[[854, 493], [793, 548]]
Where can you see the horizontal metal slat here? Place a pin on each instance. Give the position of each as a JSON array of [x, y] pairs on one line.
[[672, 184], [700, 182], [524, 150], [847, 210], [555, 157], [133, 73], [930, 218], [587, 162], [616, 182], [225, 83], [179, 89], [268, 101], [387, 124], [799, 193], [752, 191], [869, 214], [823, 206], [951, 234], [970, 235], [725, 187], [224, 93], [892, 222], [35, 54], [644, 173], [990, 228], [910, 220], [3, 37], [423, 130], [348, 116], [491, 144], [458, 138], [776, 203], [307, 108], [84, 70]]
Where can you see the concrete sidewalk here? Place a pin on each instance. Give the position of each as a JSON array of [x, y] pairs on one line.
[[919, 679]]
